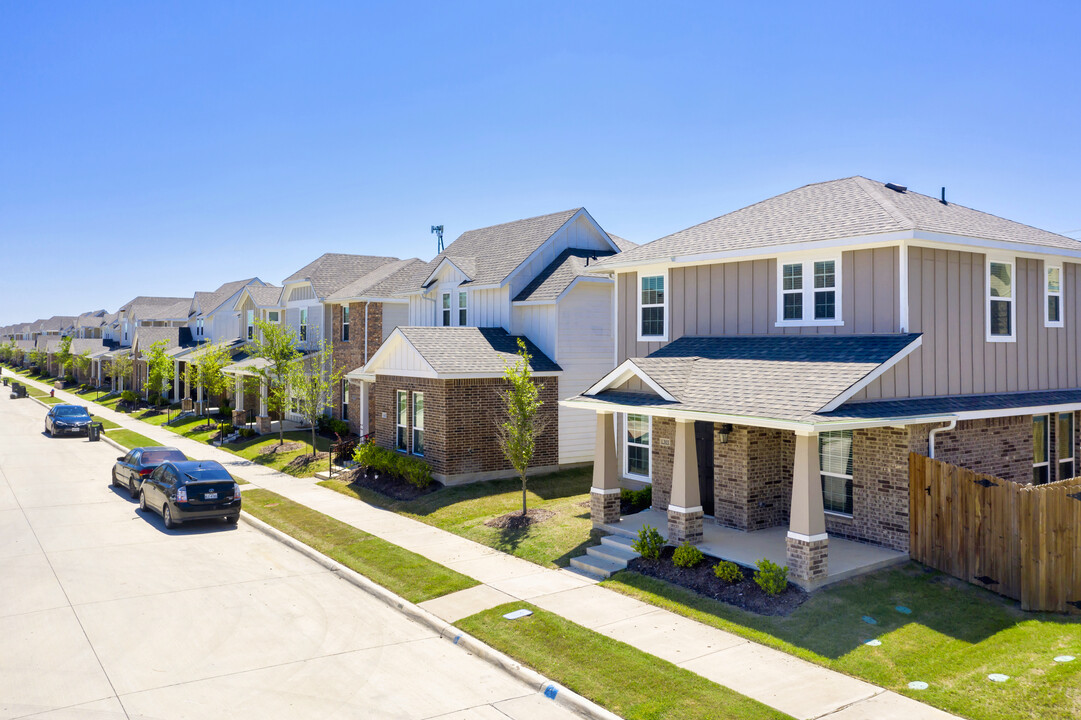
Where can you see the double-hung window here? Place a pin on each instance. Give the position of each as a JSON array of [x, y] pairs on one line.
[[345, 399], [251, 324], [652, 307], [446, 309], [463, 300], [835, 465], [1041, 441], [1064, 446], [418, 423], [345, 323], [636, 448], [1000, 306], [402, 440], [809, 292], [1052, 296], [304, 323]]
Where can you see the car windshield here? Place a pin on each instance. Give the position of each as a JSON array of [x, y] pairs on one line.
[[71, 411], [205, 474], [157, 457]]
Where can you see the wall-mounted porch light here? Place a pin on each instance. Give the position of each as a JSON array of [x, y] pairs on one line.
[[724, 431]]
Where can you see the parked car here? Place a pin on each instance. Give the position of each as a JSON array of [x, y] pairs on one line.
[[67, 420], [131, 469], [191, 490]]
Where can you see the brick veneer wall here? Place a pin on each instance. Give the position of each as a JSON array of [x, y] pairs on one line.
[[752, 477], [661, 456], [460, 421], [996, 446], [349, 355]]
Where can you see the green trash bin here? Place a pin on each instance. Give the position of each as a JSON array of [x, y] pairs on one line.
[[93, 433]]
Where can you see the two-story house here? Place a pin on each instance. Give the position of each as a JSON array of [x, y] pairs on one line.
[[433, 388], [777, 364]]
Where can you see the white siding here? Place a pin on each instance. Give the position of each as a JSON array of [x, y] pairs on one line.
[[421, 311], [401, 359], [584, 351], [579, 234], [490, 308], [538, 323], [394, 315]]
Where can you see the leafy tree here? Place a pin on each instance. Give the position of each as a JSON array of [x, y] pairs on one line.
[[6, 350], [63, 356], [121, 367], [277, 345], [205, 371], [159, 369], [38, 358], [518, 433], [314, 386], [82, 362]]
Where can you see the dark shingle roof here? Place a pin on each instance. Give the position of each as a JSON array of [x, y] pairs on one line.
[[554, 279], [332, 271], [177, 337], [96, 346], [783, 377], [362, 286], [946, 405], [453, 350], [146, 306], [850, 207]]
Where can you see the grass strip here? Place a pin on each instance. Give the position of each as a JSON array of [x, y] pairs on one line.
[[412, 576], [631, 683], [105, 424], [131, 439]]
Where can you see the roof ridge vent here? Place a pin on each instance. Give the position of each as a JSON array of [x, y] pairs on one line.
[[896, 188]]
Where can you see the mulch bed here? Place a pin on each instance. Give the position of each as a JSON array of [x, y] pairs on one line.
[[283, 448], [745, 595], [302, 462], [517, 521], [391, 486]]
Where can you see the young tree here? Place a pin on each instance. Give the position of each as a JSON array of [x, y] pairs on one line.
[[205, 371], [63, 357], [6, 350], [81, 362], [314, 386], [120, 367], [159, 368], [277, 345], [518, 433], [37, 359]]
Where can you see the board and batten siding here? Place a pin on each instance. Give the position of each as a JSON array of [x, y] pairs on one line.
[[584, 351], [538, 323], [740, 298], [580, 234], [394, 314], [947, 303]]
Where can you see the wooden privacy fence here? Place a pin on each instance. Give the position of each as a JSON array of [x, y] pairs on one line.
[[1021, 541]]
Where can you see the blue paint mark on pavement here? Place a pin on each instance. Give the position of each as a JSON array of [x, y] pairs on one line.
[[550, 692]]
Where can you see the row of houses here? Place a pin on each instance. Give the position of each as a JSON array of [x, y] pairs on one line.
[[772, 367]]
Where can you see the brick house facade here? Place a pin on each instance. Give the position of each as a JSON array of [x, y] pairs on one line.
[[354, 352]]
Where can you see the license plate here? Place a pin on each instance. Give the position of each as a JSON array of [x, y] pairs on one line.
[[210, 496]]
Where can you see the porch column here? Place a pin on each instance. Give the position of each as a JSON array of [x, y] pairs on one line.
[[604, 495], [262, 398], [807, 542], [238, 391], [685, 507], [176, 380], [363, 420]]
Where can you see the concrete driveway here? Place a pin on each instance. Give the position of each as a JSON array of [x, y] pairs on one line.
[[105, 614]]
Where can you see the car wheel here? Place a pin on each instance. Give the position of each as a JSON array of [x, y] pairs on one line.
[[142, 502], [48, 432], [133, 490], [167, 517], [114, 483], [232, 519]]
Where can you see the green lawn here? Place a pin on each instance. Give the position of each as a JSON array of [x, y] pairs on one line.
[[405, 573], [256, 449], [105, 424], [462, 510], [955, 636], [130, 439], [49, 400], [623, 679]]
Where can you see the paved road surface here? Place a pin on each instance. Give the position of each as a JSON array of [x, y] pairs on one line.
[[105, 614]]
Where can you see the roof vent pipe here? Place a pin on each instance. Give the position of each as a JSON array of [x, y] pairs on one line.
[[931, 437], [944, 196]]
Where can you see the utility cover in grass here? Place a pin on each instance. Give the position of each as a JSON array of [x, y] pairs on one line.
[[517, 521], [1064, 658], [873, 643], [998, 677], [515, 614], [917, 685]]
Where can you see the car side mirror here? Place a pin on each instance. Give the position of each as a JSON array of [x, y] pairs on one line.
[[120, 459]]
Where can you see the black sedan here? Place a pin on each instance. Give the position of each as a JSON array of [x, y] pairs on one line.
[[67, 420], [191, 490], [131, 469]]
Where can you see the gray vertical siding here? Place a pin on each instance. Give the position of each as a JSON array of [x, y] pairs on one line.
[[740, 298]]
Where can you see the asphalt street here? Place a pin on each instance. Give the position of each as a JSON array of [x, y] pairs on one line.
[[105, 614]]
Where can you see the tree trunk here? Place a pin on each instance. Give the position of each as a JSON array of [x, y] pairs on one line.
[[314, 453], [523, 495]]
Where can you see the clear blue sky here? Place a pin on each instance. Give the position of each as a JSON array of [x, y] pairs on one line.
[[159, 149]]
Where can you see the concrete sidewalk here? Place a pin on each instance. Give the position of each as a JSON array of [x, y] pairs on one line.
[[789, 684]]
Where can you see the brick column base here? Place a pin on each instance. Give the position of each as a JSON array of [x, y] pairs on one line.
[[684, 525], [604, 506], [239, 417], [186, 405], [262, 424], [808, 561]]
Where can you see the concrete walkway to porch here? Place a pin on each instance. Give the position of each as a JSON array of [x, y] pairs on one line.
[[846, 558], [787, 683]]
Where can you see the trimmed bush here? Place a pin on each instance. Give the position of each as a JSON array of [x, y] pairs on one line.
[[638, 499], [413, 470], [687, 556], [729, 572], [129, 397], [649, 543], [771, 577]]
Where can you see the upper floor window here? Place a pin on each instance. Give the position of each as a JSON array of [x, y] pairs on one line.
[[809, 292], [303, 323], [1000, 305], [446, 309], [251, 324], [652, 307], [463, 300], [1053, 296], [345, 323], [272, 316]]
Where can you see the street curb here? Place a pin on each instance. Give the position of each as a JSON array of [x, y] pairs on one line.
[[554, 691]]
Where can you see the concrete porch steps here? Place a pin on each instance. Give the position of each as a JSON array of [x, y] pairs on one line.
[[611, 556]]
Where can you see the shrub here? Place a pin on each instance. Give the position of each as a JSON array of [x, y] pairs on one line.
[[729, 572], [687, 556], [771, 577], [638, 499], [649, 543], [413, 470], [129, 397]]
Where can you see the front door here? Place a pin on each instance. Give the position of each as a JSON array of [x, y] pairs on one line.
[[703, 441]]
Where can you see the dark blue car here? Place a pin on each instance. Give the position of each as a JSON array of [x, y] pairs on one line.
[[191, 490], [67, 420]]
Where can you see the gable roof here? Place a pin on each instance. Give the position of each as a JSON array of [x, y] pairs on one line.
[[143, 304], [176, 337], [568, 266], [846, 208], [332, 271], [622, 243], [179, 310], [211, 301], [407, 277], [90, 319], [458, 351], [362, 286], [57, 323], [264, 295]]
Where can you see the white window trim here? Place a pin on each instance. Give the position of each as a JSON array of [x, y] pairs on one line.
[[275, 314], [1047, 295], [303, 325], [461, 307], [837, 513], [1012, 262], [413, 432], [1072, 459], [663, 337], [448, 309], [1046, 445], [345, 323], [626, 456], [808, 261], [345, 399], [398, 420]]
